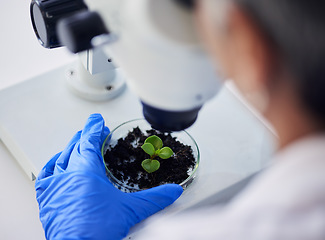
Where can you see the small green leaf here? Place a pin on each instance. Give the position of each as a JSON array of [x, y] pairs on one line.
[[150, 165], [148, 148], [165, 153], [155, 141]]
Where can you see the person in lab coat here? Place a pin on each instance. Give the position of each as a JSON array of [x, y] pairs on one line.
[[274, 50]]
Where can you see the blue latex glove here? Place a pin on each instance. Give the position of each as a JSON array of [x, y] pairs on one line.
[[76, 199]]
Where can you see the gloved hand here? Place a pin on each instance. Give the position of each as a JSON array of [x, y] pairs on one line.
[[76, 199]]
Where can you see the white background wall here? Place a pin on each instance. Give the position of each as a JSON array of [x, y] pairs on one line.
[[21, 57]]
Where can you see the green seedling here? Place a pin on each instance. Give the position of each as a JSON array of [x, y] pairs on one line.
[[153, 146]]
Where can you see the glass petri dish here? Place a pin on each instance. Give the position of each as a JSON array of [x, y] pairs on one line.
[[122, 131]]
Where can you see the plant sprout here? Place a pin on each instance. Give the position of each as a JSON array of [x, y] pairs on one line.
[[153, 146]]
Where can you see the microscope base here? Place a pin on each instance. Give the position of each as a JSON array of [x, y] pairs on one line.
[[102, 86]]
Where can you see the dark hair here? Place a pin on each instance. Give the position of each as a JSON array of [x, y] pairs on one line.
[[297, 30]]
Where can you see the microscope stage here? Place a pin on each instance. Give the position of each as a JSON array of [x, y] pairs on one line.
[[39, 117]]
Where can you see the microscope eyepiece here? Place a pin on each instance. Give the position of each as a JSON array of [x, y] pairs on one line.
[[45, 15]]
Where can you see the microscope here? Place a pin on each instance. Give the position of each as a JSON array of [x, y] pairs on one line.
[[151, 44]]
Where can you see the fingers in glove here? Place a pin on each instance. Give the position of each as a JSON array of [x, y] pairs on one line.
[[93, 134], [46, 172], [155, 199], [87, 155], [62, 161], [48, 169]]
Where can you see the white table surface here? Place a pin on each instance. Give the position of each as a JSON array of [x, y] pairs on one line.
[[21, 58]]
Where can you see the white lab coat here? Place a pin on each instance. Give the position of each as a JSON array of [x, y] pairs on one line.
[[287, 201]]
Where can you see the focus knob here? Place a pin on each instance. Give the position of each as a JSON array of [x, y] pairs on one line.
[[77, 31], [46, 13]]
